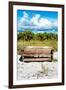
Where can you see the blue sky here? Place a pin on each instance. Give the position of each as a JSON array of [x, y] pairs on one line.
[[37, 21]]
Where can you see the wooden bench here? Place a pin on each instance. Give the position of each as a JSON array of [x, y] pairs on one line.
[[37, 53]]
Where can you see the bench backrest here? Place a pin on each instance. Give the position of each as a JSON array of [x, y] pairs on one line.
[[38, 49]]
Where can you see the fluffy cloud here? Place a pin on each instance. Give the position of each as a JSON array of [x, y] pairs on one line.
[[24, 20], [55, 23], [36, 22], [45, 23]]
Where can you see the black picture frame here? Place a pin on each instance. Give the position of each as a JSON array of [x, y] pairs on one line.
[[11, 44]]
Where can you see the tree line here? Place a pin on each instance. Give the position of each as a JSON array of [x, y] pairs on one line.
[[29, 35]]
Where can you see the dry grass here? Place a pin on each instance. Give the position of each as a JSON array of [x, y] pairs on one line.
[[52, 43]]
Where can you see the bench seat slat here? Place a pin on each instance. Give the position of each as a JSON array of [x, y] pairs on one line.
[[36, 55], [37, 59]]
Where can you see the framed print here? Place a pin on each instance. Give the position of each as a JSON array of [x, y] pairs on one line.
[[36, 44]]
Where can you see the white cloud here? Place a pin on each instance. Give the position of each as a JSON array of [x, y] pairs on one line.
[[25, 15], [43, 22], [36, 22], [55, 23], [24, 20]]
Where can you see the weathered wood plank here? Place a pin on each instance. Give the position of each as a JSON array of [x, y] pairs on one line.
[[36, 55], [36, 59]]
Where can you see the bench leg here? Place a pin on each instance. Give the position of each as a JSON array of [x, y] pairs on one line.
[[51, 57], [21, 58]]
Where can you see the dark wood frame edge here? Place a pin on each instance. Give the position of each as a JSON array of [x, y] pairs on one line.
[[11, 44]]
